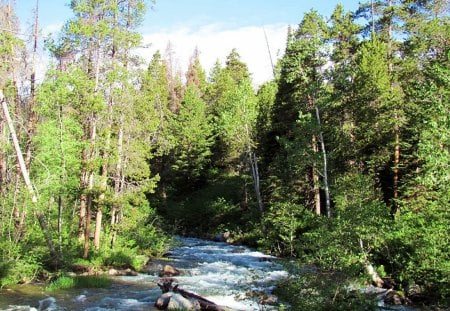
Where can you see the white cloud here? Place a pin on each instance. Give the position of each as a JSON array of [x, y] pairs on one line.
[[216, 42]]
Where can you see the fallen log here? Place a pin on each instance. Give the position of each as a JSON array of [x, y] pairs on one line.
[[166, 286]]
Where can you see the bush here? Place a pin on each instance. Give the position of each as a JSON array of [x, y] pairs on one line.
[[283, 224], [313, 289]]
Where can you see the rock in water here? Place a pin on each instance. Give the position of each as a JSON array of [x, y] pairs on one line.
[[168, 270], [163, 301], [47, 304], [178, 302]]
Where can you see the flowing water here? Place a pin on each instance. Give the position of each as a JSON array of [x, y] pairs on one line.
[[229, 275]]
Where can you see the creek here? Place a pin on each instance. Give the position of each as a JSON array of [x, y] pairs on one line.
[[229, 275]]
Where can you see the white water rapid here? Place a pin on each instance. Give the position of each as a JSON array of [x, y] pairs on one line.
[[229, 275]]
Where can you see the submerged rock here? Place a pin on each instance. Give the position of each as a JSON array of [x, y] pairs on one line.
[[47, 304]]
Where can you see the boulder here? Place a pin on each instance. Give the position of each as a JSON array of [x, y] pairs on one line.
[[169, 271], [163, 301], [126, 272], [129, 272], [178, 302], [223, 237], [393, 297], [174, 301], [113, 272]]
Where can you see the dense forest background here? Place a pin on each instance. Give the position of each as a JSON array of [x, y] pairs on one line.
[[342, 160]]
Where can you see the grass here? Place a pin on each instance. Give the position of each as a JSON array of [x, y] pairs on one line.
[[66, 282]]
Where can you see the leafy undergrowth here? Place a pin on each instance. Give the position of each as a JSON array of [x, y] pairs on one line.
[[312, 289], [66, 282]]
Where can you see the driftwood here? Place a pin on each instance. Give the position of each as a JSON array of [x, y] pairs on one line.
[[165, 285]]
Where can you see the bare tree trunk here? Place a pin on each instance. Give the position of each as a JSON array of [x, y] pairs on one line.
[[315, 176], [3, 177], [395, 206], [32, 117], [83, 198], [325, 166], [370, 270], [27, 180], [256, 184], [115, 217], [60, 223], [19, 155], [61, 177], [87, 230], [90, 187], [48, 238]]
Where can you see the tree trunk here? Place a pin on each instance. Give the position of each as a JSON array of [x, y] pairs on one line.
[[60, 222], [256, 184], [83, 198], [315, 176], [117, 184], [395, 205], [48, 238], [370, 270], [325, 166], [27, 180], [3, 177], [19, 155], [32, 117], [90, 187], [87, 229], [98, 227]]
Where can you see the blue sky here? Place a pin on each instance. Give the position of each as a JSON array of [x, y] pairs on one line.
[[213, 26]]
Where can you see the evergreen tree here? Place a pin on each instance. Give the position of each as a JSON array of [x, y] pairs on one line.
[[192, 131], [301, 90]]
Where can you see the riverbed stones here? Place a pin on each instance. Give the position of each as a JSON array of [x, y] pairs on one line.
[[125, 272]]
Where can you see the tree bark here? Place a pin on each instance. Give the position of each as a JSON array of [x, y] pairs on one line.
[[325, 166], [19, 155], [32, 117], [83, 197], [3, 177], [315, 176], [256, 184], [370, 270], [90, 187], [117, 185], [395, 205]]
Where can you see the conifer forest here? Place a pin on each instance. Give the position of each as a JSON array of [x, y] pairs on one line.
[[341, 161]]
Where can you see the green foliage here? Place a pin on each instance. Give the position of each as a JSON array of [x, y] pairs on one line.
[[193, 134], [23, 270], [283, 224], [140, 232], [65, 282], [212, 209], [421, 231], [311, 289]]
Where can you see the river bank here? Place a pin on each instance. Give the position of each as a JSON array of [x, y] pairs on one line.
[[230, 275]]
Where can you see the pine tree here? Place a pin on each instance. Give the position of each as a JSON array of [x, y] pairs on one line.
[[192, 131], [295, 118]]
